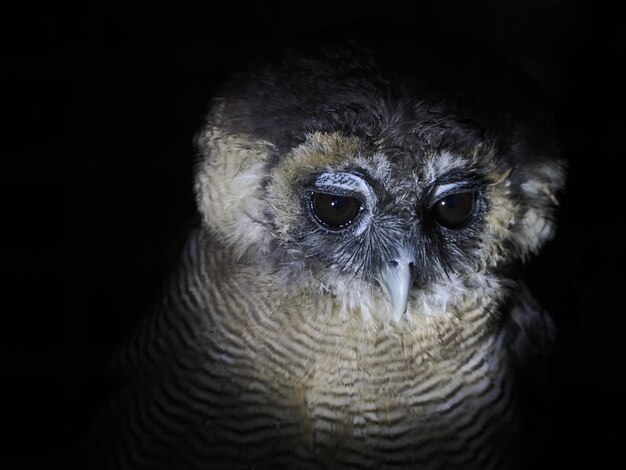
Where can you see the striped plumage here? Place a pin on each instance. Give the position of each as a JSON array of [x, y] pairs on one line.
[[275, 345]]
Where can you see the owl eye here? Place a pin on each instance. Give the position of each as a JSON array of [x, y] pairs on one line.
[[334, 211], [455, 211]]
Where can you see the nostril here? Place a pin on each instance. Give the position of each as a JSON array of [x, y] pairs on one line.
[[394, 263]]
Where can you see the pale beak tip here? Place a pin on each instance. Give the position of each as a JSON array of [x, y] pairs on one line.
[[398, 313]]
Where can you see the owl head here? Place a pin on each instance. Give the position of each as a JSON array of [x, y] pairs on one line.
[[397, 188]]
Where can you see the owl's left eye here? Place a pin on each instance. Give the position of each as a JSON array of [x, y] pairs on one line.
[[335, 211], [456, 210]]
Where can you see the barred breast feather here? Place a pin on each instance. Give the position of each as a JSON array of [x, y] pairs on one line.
[[221, 378]]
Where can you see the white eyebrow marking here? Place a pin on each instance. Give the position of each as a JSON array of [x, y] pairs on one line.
[[343, 180], [445, 188]]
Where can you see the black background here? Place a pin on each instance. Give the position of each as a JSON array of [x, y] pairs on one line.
[[100, 104]]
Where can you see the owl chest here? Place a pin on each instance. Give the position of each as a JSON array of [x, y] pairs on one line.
[[343, 396]]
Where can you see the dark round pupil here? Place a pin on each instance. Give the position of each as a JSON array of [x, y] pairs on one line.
[[335, 211], [456, 210]]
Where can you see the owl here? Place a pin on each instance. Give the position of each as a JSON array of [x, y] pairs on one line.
[[350, 297]]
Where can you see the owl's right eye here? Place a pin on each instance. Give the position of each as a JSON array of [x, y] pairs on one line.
[[334, 211]]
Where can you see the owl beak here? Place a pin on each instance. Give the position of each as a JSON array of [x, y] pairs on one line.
[[397, 278]]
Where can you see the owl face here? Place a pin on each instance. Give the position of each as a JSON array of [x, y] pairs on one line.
[[366, 222], [386, 213]]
